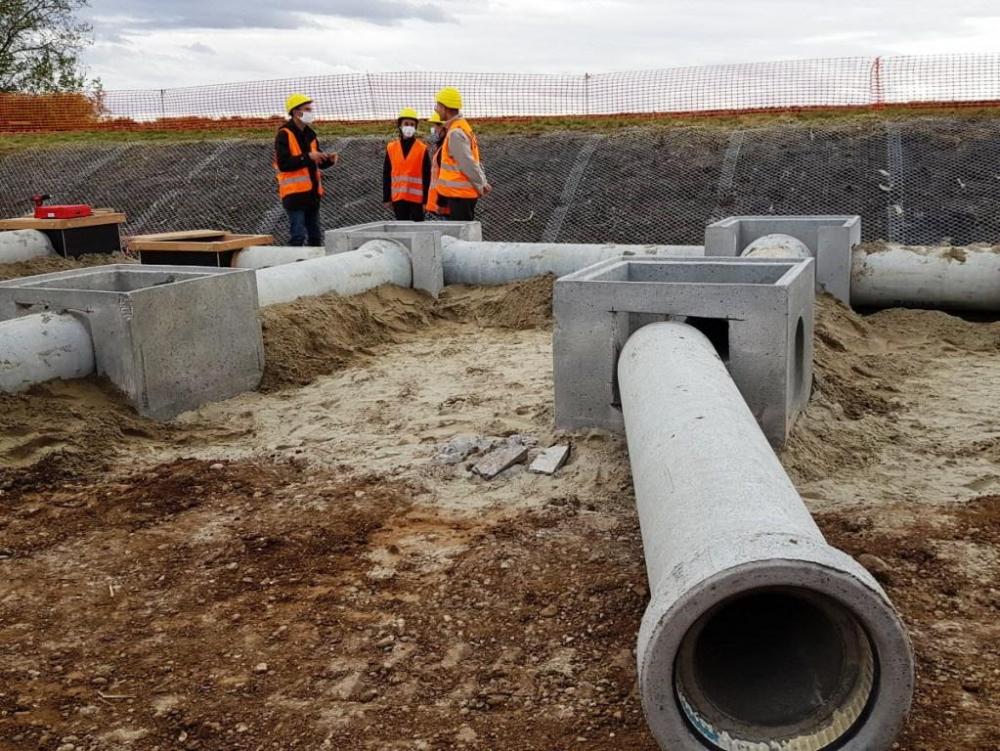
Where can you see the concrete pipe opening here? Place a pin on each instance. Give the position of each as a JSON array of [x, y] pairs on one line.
[[780, 666]]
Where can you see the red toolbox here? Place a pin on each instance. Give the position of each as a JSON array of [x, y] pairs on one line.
[[73, 211]]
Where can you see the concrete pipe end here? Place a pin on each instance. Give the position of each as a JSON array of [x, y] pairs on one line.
[[778, 655], [777, 246]]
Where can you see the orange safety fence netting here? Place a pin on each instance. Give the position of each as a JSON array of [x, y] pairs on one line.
[[852, 82]]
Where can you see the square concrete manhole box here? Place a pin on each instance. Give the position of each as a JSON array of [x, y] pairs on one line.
[[757, 312], [830, 239], [171, 338]]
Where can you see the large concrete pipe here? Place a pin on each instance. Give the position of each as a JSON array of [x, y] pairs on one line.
[[491, 263], [24, 245], [917, 277], [43, 347], [266, 256], [777, 246], [375, 263], [758, 635]]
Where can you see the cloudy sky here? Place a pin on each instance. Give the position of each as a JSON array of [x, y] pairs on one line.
[[171, 43]]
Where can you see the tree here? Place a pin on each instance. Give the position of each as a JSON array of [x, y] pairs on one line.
[[40, 45]]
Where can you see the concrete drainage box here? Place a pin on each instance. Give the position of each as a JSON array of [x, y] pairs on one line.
[[422, 241], [171, 338], [831, 239], [757, 312]]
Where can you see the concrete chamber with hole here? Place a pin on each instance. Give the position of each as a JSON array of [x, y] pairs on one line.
[[757, 312], [170, 338]]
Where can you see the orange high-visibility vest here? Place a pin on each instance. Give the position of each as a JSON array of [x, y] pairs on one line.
[[433, 205], [407, 172], [296, 181], [452, 182]]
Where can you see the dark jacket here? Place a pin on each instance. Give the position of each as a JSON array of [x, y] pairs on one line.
[[289, 163], [387, 169]]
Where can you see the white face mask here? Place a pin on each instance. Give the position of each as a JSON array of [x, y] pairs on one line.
[[408, 131], [308, 117]]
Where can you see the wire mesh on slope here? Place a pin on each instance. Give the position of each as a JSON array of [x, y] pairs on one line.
[[916, 181], [811, 170], [648, 187]]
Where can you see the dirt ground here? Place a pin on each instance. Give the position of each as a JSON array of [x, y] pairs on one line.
[[298, 568]]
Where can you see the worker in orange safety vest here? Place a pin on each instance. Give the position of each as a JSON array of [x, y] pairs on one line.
[[406, 170], [438, 130], [297, 163], [461, 181]]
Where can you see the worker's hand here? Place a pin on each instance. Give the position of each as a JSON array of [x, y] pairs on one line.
[[487, 189], [332, 158], [317, 156]]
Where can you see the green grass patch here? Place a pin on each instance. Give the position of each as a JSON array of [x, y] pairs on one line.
[[514, 126]]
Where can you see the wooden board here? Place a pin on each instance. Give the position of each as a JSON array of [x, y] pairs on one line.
[[193, 234], [227, 242], [96, 219]]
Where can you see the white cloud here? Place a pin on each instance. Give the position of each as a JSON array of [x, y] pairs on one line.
[[148, 44]]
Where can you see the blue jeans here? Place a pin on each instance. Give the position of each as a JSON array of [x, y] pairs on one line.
[[304, 225]]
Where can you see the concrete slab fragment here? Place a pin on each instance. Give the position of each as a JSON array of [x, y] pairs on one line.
[[549, 461], [497, 461]]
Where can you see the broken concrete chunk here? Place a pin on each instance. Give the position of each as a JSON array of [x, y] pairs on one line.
[[497, 461], [461, 447], [549, 461]]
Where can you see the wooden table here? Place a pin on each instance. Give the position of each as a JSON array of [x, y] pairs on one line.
[[98, 233], [202, 247]]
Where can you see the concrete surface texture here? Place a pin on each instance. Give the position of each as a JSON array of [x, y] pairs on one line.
[[266, 256], [171, 339], [24, 245], [376, 263], [759, 313], [43, 347], [777, 246], [830, 238], [491, 263], [349, 238], [886, 276], [758, 634]]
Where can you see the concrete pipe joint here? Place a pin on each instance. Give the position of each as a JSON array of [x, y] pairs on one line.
[[759, 636], [777, 246], [24, 245]]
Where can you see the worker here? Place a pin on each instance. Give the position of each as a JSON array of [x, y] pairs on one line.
[[297, 164], [406, 171], [433, 205], [461, 182]]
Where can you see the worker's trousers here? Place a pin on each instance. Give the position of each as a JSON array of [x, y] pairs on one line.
[[408, 211], [304, 229], [462, 209]]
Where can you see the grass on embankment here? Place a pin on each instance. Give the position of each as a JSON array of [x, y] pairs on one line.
[[518, 126]]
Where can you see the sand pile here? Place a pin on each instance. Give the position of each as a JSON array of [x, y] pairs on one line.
[[65, 428], [317, 336], [860, 366], [58, 263], [521, 305]]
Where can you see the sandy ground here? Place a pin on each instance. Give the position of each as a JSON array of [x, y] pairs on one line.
[[296, 568]]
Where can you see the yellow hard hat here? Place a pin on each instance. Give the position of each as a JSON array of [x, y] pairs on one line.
[[408, 113], [296, 100], [435, 118], [450, 98]]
